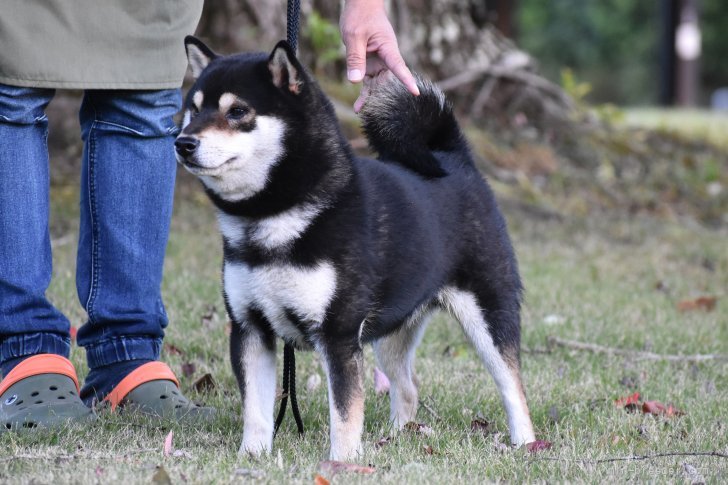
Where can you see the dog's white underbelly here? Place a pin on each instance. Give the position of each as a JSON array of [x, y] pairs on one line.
[[275, 289]]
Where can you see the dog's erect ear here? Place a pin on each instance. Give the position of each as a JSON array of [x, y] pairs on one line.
[[198, 55], [285, 69]]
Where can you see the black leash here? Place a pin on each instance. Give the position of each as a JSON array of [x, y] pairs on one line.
[[289, 358], [289, 389], [293, 14]]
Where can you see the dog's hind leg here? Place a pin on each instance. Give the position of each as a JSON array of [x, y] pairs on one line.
[[501, 359], [253, 356], [395, 356], [344, 366]]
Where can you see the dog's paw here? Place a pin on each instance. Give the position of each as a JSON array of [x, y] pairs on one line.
[[253, 450], [255, 444]]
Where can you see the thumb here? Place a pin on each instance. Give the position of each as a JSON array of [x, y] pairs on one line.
[[356, 60]]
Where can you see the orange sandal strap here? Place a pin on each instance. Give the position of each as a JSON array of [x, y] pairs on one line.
[[151, 371], [39, 364]]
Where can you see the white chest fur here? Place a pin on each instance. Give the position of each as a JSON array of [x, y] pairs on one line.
[[275, 289]]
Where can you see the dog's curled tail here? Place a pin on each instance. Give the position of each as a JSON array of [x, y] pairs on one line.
[[407, 129]]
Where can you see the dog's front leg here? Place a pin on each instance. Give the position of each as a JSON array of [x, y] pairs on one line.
[[254, 363], [344, 369]]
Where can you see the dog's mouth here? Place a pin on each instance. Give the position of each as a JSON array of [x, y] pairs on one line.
[[191, 165]]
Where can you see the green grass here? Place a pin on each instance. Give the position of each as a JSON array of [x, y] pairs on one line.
[[711, 126], [594, 280]]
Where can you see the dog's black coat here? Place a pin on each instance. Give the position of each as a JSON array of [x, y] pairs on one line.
[[397, 230]]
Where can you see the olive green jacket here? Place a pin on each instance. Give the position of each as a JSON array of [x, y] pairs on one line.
[[95, 44]]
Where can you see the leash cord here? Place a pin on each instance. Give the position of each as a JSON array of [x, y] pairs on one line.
[[293, 14], [289, 389]]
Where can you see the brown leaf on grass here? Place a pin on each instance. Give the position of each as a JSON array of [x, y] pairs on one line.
[[419, 428], [319, 480], [161, 477], [205, 384], [705, 303], [538, 445], [188, 369], [332, 467], [168, 448], [384, 441], [627, 400], [173, 350], [657, 408], [480, 425], [662, 287], [429, 450], [381, 382]]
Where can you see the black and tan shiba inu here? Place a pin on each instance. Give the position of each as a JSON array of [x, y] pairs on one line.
[[330, 251]]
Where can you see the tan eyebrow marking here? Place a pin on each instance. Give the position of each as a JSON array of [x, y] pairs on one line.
[[197, 99], [226, 101]]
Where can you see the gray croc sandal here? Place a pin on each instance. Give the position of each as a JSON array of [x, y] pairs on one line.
[[153, 389], [41, 392]]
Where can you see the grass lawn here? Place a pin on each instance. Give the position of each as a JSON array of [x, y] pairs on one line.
[[707, 125], [605, 280]]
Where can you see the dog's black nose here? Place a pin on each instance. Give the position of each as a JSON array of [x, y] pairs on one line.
[[186, 145]]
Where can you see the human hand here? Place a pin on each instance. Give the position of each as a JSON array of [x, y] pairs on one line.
[[371, 46]]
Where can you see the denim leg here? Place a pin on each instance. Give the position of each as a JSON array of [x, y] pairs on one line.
[[29, 323], [127, 190]]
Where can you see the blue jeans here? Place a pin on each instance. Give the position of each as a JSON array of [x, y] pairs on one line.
[[126, 204]]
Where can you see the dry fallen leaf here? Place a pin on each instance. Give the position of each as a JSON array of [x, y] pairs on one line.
[[172, 349], [627, 400], [381, 382], [657, 408], [205, 384], [332, 467], [319, 480], [384, 441], [419, 428], [706, 303], [538, 445], [428, 450], [480, 425], [168, 448], [188, 369]]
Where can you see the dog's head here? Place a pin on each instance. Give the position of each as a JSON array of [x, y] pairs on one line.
[[237, 116]]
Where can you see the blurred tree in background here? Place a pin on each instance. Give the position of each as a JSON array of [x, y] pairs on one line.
[[614, 45], [714, 64]]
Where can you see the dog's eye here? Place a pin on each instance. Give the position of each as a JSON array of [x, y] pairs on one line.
[[194, 111], [237, 113]]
